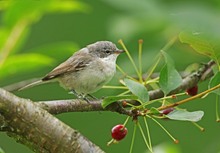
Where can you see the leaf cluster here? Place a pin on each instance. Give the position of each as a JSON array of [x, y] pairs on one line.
[[17, 19]]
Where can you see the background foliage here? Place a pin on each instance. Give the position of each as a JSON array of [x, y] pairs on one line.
[[41, 34]]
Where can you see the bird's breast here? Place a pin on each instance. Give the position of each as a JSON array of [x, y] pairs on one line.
[[90, 78]]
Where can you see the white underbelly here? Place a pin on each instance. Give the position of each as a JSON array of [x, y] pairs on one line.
[[89, 80]]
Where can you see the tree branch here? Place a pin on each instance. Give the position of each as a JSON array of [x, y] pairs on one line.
[[78, 105], [35, 127], [189, 99], [62, 106]]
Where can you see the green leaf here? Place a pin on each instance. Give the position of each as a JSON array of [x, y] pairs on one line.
[[167, 58], [23, 63], [198, 43], [214, 82], [1, 151], [192, 68], [169, 79], [16, 37], [67, 6], [111, 99], [183, 115], [19, 15], [201, 44], [137, 89], [32, 11], [166, 147], [4, 33]]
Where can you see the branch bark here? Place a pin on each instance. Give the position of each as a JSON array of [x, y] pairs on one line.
[[35, 127], [77, 105]]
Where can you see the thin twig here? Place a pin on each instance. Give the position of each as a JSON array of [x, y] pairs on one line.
[[190, 98], [78, 105]]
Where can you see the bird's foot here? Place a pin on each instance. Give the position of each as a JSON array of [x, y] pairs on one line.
[[85, 97], [92, 97]]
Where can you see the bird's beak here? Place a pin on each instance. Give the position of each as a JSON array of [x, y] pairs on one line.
[[118, 51]]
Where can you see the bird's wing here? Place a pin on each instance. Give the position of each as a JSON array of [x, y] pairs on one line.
[[73, 64]]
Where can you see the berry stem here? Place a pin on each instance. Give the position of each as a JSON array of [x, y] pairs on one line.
[[128, 104], [110, 142], [175, 140], [124, 93], [163, 101], [140, 45], [155, 80], [169, 44], [133, 137], [164, 98], [217, 108], [123, 72], [114, 87], [148, 132], [198, 126], [130, 58], [126, 121], [166, 47], [150, 72], [143, 135], [190, 98]]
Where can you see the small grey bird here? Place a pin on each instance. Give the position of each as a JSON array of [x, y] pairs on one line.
[[86, 71]]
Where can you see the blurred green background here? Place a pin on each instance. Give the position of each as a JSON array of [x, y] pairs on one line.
[[44, 33]]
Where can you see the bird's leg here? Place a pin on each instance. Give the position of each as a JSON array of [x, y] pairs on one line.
[[81, 96], [86, 99], [93, 97]]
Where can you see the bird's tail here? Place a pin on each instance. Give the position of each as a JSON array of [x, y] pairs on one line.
[[36, 83]]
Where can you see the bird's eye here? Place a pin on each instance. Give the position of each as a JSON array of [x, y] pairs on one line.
[[108, 51]]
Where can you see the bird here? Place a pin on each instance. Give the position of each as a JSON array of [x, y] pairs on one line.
[[86, 71]]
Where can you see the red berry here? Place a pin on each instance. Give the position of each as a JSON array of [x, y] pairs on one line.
[[192, 91], [167, 111], [119, 132]]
